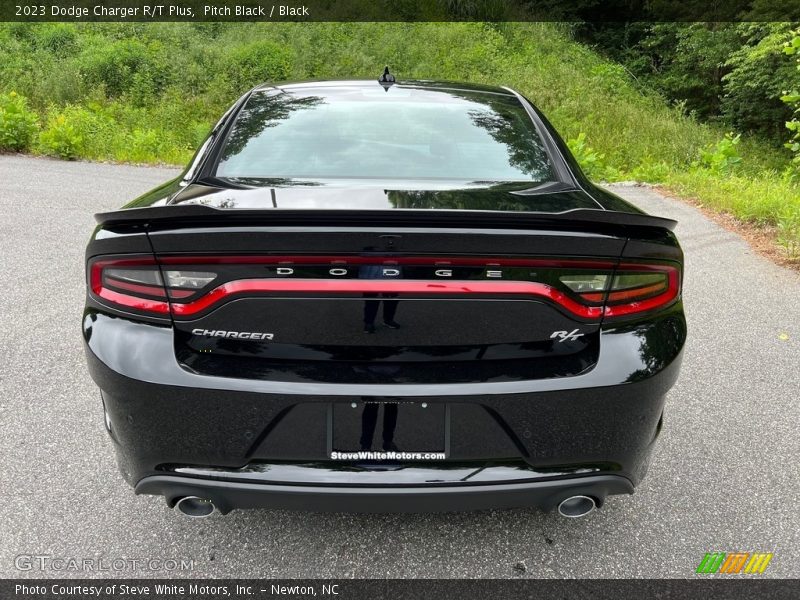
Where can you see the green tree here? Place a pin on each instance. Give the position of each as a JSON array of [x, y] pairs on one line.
[[757, 76], [791, 98], [732, 72]]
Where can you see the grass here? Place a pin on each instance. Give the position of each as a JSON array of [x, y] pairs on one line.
[[148, 93], [765, 200]]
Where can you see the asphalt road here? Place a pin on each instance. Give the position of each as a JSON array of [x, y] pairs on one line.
[[724, 477]]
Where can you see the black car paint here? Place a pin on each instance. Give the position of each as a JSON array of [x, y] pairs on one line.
[[184, 423]]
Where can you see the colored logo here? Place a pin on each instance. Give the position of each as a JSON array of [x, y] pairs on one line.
[[731, 563]]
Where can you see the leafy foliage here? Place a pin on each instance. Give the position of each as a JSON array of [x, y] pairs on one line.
[[729, 72], [590, 160], [256, 63], [17, 123], [149, 92], [60, 138], [177, 78], [722, 157], [789, 231], [792, 99], [127, 66], [759, 73]]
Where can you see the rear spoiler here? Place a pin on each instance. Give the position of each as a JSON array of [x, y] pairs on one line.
[[198, 214]]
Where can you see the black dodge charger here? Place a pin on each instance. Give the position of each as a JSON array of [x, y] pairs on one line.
[[383, 296]]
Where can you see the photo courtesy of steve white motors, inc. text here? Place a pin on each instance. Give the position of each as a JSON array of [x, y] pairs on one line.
[[174, 589]]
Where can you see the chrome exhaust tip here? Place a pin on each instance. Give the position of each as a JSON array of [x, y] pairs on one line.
[[195, 507], [576, 506]]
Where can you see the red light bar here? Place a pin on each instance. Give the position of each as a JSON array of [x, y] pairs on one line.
[[523, 289], [383, 286]]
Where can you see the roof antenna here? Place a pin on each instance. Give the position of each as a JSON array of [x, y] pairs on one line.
[[386, 79]]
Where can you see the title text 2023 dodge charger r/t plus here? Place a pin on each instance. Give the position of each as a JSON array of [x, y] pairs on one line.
[[377, 296]]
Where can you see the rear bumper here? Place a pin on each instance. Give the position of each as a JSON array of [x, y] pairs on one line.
[[227, 495], [179, 433]]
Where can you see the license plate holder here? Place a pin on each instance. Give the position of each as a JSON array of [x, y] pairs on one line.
[[414, 427]]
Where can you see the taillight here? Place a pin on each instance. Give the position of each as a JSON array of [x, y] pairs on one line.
[[141, 284], [642, 288], [633, 288]]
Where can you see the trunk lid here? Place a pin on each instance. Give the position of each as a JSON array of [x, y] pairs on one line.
[[451, 295]]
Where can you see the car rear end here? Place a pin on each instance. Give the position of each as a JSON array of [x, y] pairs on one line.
[[375, 341], [529, 366]]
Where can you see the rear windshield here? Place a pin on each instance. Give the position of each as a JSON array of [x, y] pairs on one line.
[[355, 133]]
